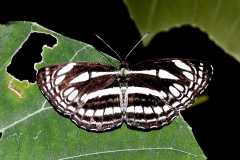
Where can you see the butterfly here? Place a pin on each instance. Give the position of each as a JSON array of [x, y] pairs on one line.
[[99, 97]]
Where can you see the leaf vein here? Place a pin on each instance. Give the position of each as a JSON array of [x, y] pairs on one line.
[[79, 50], [130, 149], [43, 108]]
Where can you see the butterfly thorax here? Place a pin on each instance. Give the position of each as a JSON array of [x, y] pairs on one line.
[[123, 73]]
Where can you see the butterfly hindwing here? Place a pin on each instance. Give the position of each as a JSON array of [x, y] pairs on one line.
[[148, 112]]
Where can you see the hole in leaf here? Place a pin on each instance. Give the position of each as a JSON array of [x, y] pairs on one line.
[[22, 65]]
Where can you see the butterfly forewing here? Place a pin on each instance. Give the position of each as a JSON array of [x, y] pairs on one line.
[[83, 92]]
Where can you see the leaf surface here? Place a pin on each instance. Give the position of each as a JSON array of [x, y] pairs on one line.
[[31, 129], [220, 19]]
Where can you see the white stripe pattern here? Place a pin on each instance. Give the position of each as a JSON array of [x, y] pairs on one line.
[[80, 78], [147, 72], [66, 69], [180, 64], [166, 75]]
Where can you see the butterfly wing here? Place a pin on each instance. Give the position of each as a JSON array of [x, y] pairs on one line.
[[158, 90], [81, 92]]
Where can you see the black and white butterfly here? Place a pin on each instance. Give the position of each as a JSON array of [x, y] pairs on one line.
[[99, 97]]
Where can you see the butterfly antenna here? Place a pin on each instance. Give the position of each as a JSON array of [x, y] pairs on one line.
[[118, 56], [144, 36]]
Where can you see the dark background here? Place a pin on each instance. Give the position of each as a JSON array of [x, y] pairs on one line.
[[214, 123]]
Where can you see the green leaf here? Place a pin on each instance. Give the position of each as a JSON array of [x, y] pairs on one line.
[[31, 129], [220, 19]]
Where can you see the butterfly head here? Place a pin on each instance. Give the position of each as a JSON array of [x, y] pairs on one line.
[[124, 64]]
